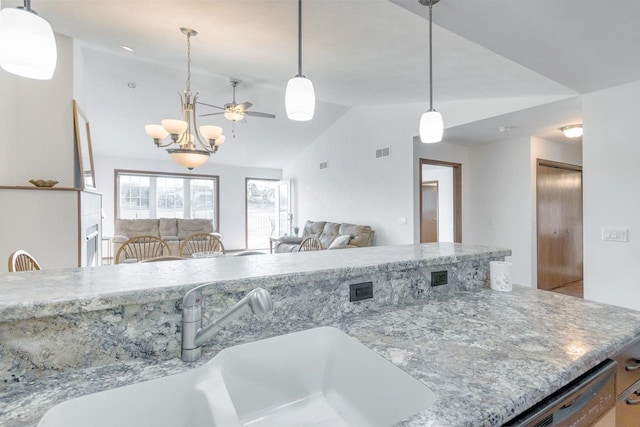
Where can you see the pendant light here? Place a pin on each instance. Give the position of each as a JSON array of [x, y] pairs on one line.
[[27, 43], [431, 126], [300, 98]]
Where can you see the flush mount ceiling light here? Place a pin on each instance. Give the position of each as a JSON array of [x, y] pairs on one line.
[[183, 132], [572, 131], [431, 126], [300, 98], [27, 43]]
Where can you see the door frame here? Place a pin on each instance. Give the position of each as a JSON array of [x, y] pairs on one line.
[[559, 165], [457, 194]]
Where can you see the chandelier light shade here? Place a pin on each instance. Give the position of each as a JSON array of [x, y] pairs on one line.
[[184, 133], [572, 131], [431, 125], [300, 98], [27, 43]]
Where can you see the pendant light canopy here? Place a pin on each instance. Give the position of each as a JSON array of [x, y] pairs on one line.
[[300, 98], [431, 125], [27, 43]]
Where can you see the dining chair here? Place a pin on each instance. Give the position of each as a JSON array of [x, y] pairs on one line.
[[164, 258], [311, 243], [201, 242], [142, 248], [22, 261]]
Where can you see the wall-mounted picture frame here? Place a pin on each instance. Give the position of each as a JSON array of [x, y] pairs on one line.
[[85, 152]]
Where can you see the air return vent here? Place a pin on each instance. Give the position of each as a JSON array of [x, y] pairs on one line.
[[324, 165], [383, 152]]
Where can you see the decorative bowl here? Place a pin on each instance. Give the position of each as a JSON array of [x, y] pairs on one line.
[[43, 182]]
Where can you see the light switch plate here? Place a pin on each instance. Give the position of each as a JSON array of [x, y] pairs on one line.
[[615, 234]]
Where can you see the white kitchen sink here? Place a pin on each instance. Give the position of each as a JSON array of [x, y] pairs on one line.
[[317, 377]]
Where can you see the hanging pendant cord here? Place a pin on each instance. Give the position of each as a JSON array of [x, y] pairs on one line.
[[299, 38], [430, 60], [189, 63]]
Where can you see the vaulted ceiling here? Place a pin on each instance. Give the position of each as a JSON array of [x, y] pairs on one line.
[[356, 52]]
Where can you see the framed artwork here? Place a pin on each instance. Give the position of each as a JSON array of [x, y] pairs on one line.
[[85, 153]]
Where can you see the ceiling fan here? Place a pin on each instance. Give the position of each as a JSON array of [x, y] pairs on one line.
[[236, 112]]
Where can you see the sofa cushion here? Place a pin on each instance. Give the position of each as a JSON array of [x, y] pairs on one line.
[[361, 235], [187, 227], [341, 240], [168, 227], [136, 227], [313, 228]]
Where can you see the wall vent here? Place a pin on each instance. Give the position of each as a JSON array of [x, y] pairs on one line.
[[383, 152], [324, 165]]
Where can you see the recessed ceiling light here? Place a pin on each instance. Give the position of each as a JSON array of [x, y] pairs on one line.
[[505, 128], [132, 85], [572, 131], [127, 48]]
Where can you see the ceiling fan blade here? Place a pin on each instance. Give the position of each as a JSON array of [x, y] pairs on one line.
[[209, 105], [257, 114], [211, 114], [245, 105]]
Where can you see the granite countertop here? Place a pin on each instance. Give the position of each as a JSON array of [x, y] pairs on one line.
[[487, 355], [76, 290]]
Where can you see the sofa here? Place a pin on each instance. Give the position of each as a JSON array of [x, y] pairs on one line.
[[332, 235], [174, 231]]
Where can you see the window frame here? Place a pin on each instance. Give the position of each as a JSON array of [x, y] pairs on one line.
[[155, 174]]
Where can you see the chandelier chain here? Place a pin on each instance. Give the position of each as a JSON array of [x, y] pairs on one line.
[[188, 63]]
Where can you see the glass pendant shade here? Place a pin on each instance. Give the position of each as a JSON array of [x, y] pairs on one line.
[[220, 140], [27, 45], [190, 159], [156, 131], [300, 99], [431, 127], [211, 132], [175, 127]]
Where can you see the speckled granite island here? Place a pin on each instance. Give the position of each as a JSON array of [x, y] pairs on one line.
[[487, 355]]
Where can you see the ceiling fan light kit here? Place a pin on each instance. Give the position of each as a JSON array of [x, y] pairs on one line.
[[431, 125], [234, 111], [27, 44], [300, 98], [183, 132]]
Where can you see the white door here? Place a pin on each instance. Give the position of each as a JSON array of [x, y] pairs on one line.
[[284, 217]]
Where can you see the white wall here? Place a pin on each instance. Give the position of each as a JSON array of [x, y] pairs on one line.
[[444, 176], [232, 190], [37, 124], [499, 201], [611, 196]]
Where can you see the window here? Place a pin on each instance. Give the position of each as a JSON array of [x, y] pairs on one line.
[[261, 213], [162, 195]]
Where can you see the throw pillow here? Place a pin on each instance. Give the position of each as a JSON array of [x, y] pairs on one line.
[[340, 241]]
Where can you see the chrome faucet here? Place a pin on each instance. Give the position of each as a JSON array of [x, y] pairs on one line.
[[258, 301]]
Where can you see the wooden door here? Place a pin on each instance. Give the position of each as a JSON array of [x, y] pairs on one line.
[[429, 213], [559, 224]]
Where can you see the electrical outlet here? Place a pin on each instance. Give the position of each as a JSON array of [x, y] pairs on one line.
[[613, 234], [360, 291], [439, 278]]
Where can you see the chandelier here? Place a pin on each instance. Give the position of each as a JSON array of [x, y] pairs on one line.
[[183, 133]]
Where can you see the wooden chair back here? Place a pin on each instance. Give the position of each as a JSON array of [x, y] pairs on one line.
[[22, 261], [164, 258], [311, 243], [201, 242], [142, 248]]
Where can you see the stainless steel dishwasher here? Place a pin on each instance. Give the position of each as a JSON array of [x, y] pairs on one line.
[[581, 403]]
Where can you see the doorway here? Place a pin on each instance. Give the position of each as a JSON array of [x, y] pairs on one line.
[[429, 218], [440, 208], [559, 225], [260, 221]]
